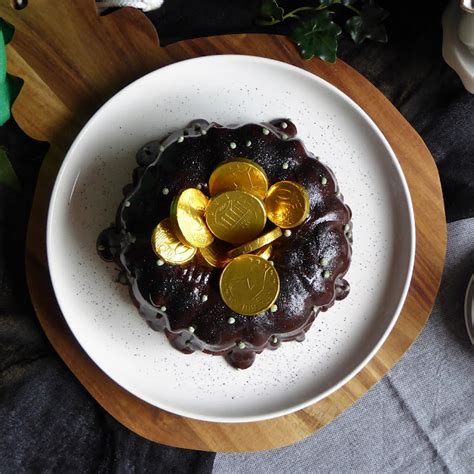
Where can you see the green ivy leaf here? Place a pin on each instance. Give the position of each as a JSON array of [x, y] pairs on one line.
[[368, 24], [270, 13], [7, 173], [328, 3], [316, 35]]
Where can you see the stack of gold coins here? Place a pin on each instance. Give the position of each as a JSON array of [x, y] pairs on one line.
[[226, 230]]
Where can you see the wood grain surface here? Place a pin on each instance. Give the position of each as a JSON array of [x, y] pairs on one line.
[[72, 61]]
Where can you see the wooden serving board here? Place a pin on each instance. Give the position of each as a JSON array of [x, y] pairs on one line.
[[72, 61]]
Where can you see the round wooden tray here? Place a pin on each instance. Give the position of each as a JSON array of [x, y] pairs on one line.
[[72, 60]]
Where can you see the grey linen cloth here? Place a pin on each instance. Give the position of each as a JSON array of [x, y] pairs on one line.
[[419, 418]]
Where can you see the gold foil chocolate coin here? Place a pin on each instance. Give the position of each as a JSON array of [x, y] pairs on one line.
[[187, 218], [249, 285], [287, 204], [256, 244], [168, 247], [216, 254], [264, 252], [235, 216], [241, 174]]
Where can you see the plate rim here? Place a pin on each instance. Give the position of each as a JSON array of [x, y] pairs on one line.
[[411, 235]]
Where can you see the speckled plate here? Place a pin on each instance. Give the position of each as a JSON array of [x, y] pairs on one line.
[[230, 90]]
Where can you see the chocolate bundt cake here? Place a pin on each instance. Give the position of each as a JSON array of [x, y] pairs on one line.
[[184, 301]]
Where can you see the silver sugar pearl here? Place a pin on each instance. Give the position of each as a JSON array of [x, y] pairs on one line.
[[233, 145], [242, 345], [284, 125], [231, 320], [163, 308], [160, 262], [265, 131], [191, 329], [165, 191]]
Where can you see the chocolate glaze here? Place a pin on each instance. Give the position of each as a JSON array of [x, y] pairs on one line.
[[169, 297]]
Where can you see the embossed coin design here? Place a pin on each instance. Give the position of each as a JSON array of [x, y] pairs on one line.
[[216, 254], [287, 204], [257, 243], [236, 216], [249, 285], [239, 174], [166, 245], [187, 218]]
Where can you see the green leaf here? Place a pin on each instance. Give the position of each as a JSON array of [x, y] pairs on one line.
[[328, 3], [270, 13], [368, 24], [7, 173], [7, 30], [316, 35], [9, 86]]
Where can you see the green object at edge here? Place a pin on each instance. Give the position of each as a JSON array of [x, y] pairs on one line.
[[9, 86]]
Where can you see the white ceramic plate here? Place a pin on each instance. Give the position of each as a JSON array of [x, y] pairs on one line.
[[229, 90]]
